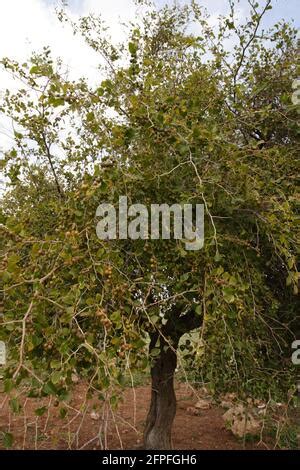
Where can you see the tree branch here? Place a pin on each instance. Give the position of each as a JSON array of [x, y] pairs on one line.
[[49, 157]]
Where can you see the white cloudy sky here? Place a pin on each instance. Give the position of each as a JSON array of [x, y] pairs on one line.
[[30, 24], [27, 25]]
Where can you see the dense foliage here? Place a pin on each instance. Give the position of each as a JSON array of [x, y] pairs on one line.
[[175, 118]]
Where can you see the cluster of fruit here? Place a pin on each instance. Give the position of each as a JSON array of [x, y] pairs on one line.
[[48, 346], [108, 272], [153, 263], [123, 348], [102, 315]]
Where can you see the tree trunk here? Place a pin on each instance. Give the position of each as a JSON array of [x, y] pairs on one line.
[[162, 410], [157, 434]]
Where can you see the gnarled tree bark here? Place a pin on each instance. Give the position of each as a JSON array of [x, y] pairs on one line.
[[162, 410], [157, 434]]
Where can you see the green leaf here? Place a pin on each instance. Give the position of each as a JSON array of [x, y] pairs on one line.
[[18, 135], [154, 318], [155, 352], [35, 70], [55, 102], [90, 116], [8, 440], [116, 317], [40, 411], [132, 46], [198, 309], [15, 405], [8, 385], [63, 412], [140, 343], [56, 377], [228, 294], [49, 388]]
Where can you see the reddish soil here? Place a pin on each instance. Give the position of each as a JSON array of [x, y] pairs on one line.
[[118, 429]]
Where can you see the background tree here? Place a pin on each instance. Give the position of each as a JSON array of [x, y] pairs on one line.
[[177, 118]]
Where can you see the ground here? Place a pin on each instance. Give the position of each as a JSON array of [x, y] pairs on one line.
[[118, 429]]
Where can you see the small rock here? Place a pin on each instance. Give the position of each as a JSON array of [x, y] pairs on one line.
[[226, 404], [193, 411], [74, 378], [202, 405], [95, 416], [241, 422], [259, 403], [227, 400], [203, 391]]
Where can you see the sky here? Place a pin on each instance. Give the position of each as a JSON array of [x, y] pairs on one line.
[[28, 25]]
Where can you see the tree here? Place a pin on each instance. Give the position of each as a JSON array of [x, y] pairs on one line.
[[177, 119]]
